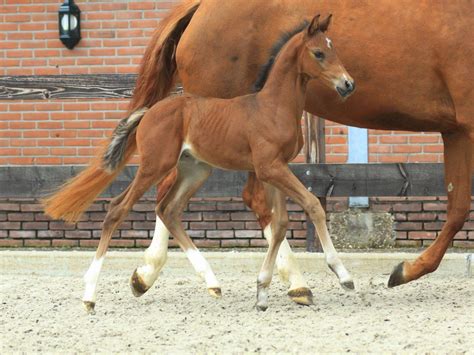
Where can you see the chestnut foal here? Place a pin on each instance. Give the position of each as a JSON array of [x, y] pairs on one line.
[[259, 132]]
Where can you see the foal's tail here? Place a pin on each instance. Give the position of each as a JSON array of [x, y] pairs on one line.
[[78, 193], [157, 73]]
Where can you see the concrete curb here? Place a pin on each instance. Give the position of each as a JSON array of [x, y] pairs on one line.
[[69, 263]]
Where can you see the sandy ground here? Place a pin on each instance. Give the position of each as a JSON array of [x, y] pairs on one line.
[[41, 308]]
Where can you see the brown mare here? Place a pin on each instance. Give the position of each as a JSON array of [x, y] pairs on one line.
[[413, 62], [259, 132]]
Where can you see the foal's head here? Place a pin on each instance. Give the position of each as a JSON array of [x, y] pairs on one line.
[[319, 58]]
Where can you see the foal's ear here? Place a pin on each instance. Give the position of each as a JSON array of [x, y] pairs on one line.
[[314, 25], [323, 26]]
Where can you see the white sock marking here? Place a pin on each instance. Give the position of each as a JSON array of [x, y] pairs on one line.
[[202, 267], [91, 278], [155, 255], [286, 263]]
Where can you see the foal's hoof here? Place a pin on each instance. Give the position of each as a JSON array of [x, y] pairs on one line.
[[137, 285], [348, 285], [302, 296], [397, 278], [262, 307], [215, 292], [89, 307]]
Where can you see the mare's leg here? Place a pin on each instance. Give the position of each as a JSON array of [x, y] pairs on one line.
[[458, 162], [191, 175], [157, 253], [287, 265], [279, 175], [279, 222], [118, 210]]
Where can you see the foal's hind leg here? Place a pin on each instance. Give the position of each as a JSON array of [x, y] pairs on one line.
[[191, 175], [118, 210], [275, 199], [157, 253], [279, 175], [287, 265], [458, 162]]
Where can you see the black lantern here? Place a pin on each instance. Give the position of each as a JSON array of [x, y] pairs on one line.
[[69, 23]]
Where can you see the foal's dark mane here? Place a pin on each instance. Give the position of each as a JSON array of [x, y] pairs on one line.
[[267, 67]]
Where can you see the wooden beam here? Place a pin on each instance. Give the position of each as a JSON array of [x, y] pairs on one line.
[[86, 86], [325, 180]]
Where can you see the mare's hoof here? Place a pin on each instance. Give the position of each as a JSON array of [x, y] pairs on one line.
[[302, 296], [89, 307], [215, 292], [348, 285], [137, 285], [397, 278]]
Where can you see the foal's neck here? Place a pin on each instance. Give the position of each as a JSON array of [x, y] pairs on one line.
[[286, 85]]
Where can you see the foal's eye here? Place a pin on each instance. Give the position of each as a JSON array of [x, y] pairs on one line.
[[319, 55]]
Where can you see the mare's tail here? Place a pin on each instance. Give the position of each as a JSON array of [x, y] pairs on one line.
[[155, 80], [157, 73], [77, 194]]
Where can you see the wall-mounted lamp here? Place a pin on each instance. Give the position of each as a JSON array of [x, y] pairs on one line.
[[69, 23]]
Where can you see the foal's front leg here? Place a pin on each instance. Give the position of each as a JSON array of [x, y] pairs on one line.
[[279, 175]]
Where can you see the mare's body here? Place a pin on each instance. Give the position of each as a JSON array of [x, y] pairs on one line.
[[413, 62]]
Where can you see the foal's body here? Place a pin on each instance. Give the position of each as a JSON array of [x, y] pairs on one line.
[[259, 133]]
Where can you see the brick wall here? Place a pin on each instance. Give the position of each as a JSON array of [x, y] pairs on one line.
[[55, 132], [214, 223], [115, 34]]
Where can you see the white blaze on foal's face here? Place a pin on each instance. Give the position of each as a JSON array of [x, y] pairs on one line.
[[329, 43]]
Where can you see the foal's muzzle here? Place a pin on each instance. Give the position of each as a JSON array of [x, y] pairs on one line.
[[346, 88]]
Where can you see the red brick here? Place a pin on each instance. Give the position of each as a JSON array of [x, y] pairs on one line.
[[235, 243], [433, 226], [220, 234], [243, 216], [10, 225], [122, 243], [142, 243], [408, 226], [49, 234], [258, 243], [88, 243], [407, 207], [216, 216], [202, 225], [148, 225], [37, 243], [11, 243], [252, 234], [134, 234], [206, 243], [22, 234], [230, 225], [434, 206], [468, 244], [408, 243], [231, 206], [64, 243], [421, 235], [78, 234], [421, 216], [35, 225]]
